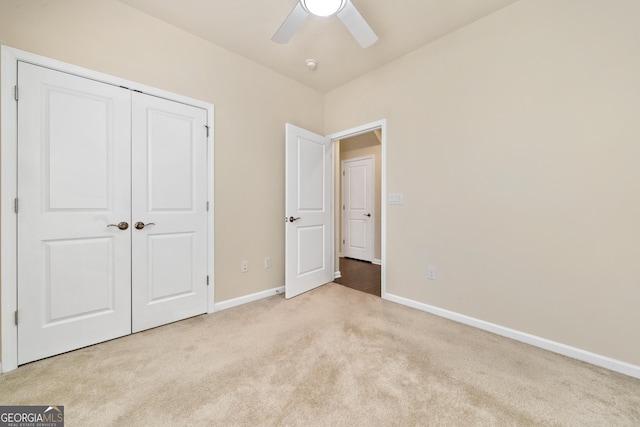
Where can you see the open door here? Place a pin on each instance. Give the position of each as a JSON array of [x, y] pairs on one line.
[[309, 211]]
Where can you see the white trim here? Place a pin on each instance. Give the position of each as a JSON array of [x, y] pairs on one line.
[[9, 58], [555, 347], [337, 275], [377, 262], [8, 218], [359, 130], [20, 55], [211, 214], [235, 302]]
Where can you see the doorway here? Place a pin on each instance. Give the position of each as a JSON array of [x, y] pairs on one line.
[[359, 210], [312, 162]]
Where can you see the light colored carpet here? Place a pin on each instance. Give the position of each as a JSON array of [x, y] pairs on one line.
[[331, 357]]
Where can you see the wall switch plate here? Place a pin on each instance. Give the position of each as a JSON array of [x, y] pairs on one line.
[[244, 267], [395, 198], [431, 273], [267, 262]]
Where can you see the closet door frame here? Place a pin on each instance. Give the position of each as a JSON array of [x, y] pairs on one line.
[[9, 58]]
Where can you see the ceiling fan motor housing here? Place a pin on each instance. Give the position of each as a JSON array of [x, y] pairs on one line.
[[323, 8], [344, 9]]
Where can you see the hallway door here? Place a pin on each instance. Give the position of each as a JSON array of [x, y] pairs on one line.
[[358, 213], [309, 210]]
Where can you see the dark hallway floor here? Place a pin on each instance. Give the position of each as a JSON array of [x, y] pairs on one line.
[[360, 275]]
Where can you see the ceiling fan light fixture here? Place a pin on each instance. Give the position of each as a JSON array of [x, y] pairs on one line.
[[323, 8]]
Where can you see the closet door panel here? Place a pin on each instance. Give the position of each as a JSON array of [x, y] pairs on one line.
[[74, 270], [169, 185]]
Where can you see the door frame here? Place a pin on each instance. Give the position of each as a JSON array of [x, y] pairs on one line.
[[9, 58], [380, 125], [343, 212]]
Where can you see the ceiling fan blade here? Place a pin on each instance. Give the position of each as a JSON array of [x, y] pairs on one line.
[[290, 25], [356, 24]]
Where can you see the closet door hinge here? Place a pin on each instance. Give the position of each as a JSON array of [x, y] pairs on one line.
[[207, 280], [207, 206], [15, 316], [15, 205], [15, 92], [207, 127]]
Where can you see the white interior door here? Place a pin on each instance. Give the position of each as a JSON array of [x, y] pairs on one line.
[[309, 210], [169, 219], [74, 277], [358, 199]]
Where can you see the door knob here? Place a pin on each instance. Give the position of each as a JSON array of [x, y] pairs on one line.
[[368, 214], [292, 219], [122, 225], [140, 225]]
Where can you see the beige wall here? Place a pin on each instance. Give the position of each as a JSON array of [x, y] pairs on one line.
[[252, 105], [515, 142], [352, 148]]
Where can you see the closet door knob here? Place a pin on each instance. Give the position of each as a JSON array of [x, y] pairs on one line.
[[122, 225], [140, 225]]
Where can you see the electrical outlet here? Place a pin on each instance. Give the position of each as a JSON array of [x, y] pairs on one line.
[[431, 273], [267, 262], [244, 267]]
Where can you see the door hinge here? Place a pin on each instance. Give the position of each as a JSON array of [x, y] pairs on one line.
[[343, 242], [343, 173], [15, 204], [343, 207], [207, 206], [207, 280], [207, 127], [15, 92], [15, 316]]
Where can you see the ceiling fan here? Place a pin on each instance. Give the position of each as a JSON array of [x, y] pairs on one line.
[[344, 9]]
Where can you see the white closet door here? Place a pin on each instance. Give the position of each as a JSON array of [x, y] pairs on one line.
[[169, 187], [74, 277]]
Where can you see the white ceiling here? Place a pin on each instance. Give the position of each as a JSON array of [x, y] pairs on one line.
[[246, 27]]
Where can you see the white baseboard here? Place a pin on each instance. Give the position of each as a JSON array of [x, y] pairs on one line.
[[555, 347], [337, 275], [224, 305]]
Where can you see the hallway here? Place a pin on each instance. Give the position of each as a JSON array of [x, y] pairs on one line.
[[360, 275]]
